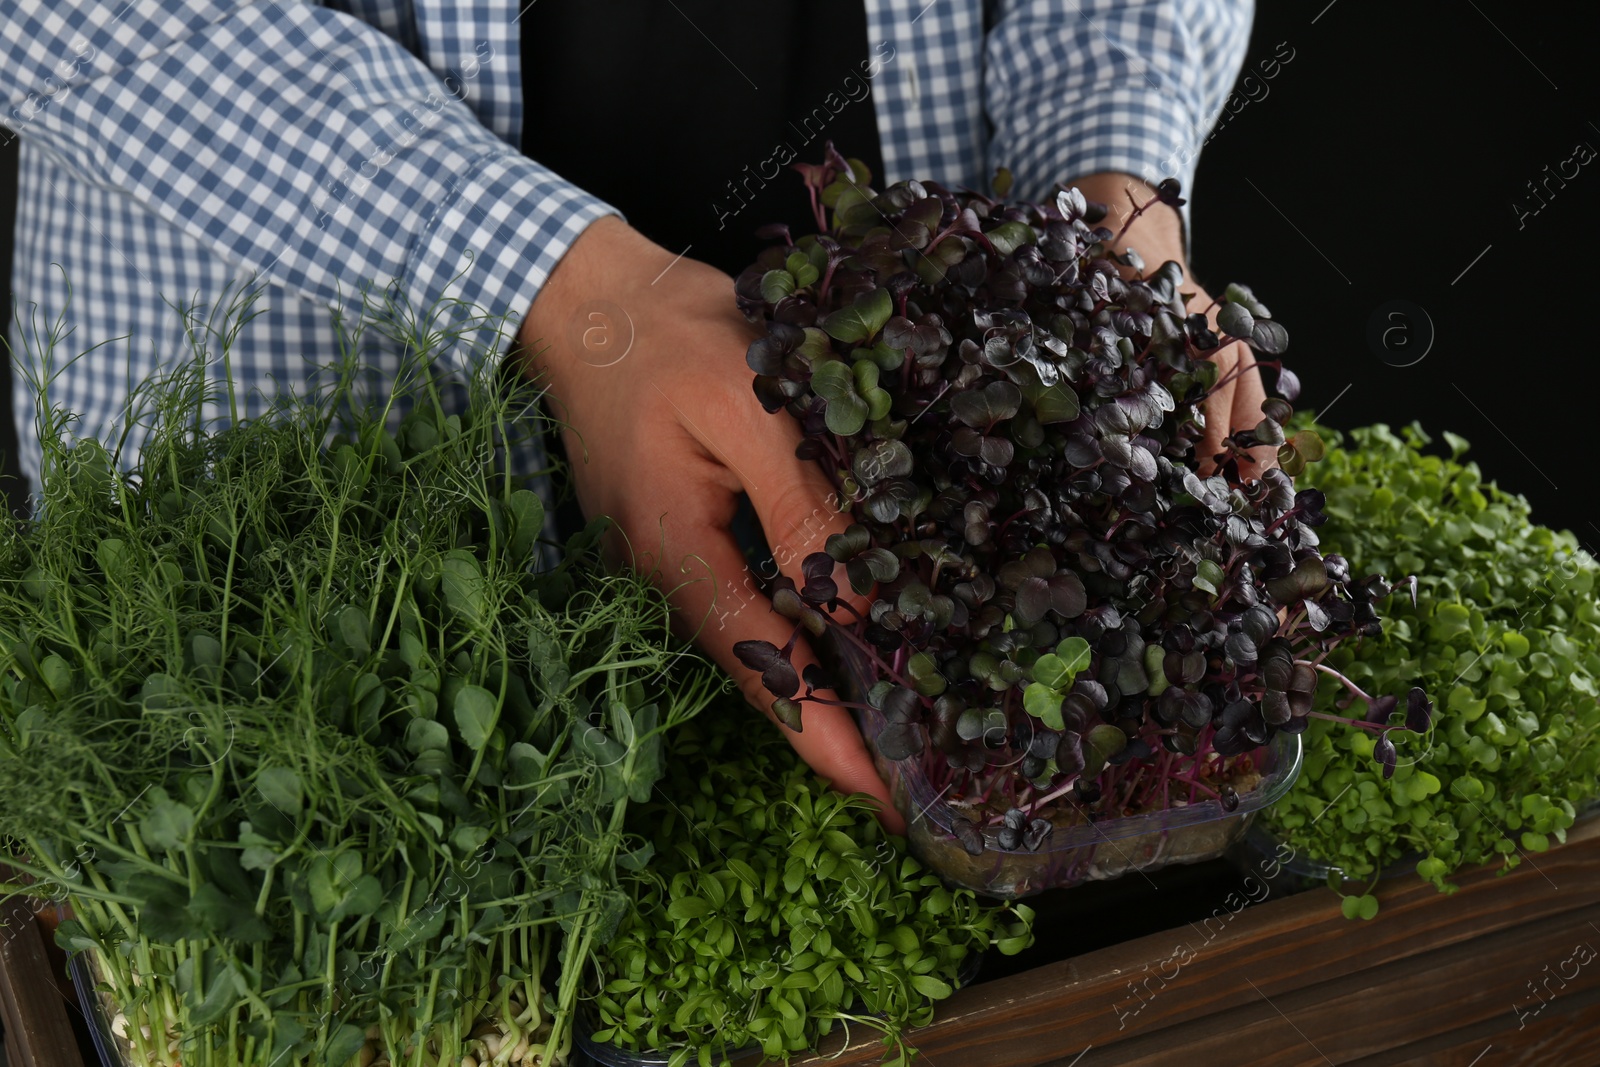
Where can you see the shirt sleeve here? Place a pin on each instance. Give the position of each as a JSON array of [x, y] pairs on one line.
[[1109, 85], [299, 143]]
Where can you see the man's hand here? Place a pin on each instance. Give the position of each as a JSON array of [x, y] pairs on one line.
[[644, 357], [1157, 235]]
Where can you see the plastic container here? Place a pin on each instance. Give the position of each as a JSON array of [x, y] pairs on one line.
[[1074, 852], [1261, 853], [599, 1054], [1085, 852], [94, 1010]]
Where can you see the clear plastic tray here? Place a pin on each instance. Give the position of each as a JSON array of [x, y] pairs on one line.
[[1262, 852], [601, 1054], [1075, 852], [1085, 852], [598, 1054], [94, 1010]]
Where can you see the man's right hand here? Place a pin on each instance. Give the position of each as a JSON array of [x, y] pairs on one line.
[[644, 357]]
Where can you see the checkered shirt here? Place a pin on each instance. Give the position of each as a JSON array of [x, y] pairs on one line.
[[176, 151]]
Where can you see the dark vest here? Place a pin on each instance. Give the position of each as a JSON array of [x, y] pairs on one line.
[[681, 112]]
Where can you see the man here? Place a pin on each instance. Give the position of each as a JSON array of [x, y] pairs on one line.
[[173, 149]]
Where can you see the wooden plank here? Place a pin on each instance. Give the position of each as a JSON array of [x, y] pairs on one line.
[[1365, 1016], [1193, 974], [13, 1050], [38, 1030], [1566, 1033], [1503, 993]]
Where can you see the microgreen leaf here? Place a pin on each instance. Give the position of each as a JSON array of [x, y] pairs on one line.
[[861, 321], [527, 517], [1456, 779], [1011, 420], [475, 713], [281, 787], [776, 284], [168, 825], [1044, 704]]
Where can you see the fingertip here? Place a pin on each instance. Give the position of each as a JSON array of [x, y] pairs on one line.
[[890, 816], [876, 791]]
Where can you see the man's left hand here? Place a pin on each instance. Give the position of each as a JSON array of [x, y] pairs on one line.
[[1157, 235]]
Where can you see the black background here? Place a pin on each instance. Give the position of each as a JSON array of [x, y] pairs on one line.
[[1385, 157]]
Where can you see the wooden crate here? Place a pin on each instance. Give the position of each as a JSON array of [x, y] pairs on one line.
[[35, 998], [1434, 979]]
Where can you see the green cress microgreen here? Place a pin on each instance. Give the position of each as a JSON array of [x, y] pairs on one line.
[[326, 771], [776, 909], [1010, 414], [1506, 630]]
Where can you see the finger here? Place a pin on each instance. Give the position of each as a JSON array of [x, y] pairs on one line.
[[793, 499], [719, 598], [797, 505], [841, 746], [1218, 409], [1247, 413], [798, 508]]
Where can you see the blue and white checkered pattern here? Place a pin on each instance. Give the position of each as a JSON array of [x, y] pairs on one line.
[[175, 150]]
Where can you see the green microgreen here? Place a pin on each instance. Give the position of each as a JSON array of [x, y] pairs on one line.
[[328, 768], [1505, 630], [776, 910]]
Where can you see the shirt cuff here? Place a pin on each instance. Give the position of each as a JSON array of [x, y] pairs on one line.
[[492, 244], [1129, 129]]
